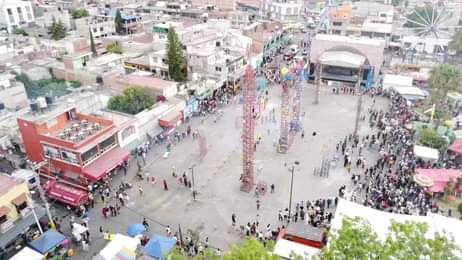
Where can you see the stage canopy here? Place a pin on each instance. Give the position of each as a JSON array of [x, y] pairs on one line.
[[342, 59]]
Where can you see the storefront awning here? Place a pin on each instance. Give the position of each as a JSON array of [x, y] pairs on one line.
[[104, 164], [170, 119], [66, 194], [20, 199]]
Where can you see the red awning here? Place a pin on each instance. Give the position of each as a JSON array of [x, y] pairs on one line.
[[456, 147], [104, 164], [65, 193], [170, 119]]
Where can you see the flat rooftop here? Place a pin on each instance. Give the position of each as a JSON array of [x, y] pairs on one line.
[[348, 39], [7, 183]]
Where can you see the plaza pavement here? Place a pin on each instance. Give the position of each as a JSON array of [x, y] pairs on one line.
[[217, 176]]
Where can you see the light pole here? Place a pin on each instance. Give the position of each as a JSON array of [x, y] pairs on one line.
[[193, 184], [291, 169]]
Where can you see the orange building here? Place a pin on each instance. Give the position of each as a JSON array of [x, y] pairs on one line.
[[79, 149]]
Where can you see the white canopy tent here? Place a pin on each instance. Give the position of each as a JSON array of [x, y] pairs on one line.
[[426, 153], [284, 248], [392, 81], [115, 245], [380, 221], [410, 93], [27, 254], [342, 59]]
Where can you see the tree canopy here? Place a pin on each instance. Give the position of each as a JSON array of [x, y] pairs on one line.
[[176, 59], [132, 101], [356, 240], [430, 137], [57, 30], [444, 79], [79, 13], [119, 22], [43, 87]]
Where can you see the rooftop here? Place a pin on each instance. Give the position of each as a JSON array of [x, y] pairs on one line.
[[149, 82], [78, 130], [7, 183], [347, 39]]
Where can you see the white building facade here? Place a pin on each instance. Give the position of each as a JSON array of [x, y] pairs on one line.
[[15, 13], [283, 10]]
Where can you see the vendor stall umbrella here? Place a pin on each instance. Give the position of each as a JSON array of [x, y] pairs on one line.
[[136, 229]]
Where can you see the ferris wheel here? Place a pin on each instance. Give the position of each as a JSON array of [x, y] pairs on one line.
[[433, 20]]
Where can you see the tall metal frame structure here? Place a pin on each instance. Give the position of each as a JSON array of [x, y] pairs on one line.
[[248, 131], [284, 128], [296, 123]]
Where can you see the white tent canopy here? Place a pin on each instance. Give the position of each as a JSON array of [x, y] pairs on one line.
[[426, 153], [342, 59], [410, 93], [284, 248], [112, 248], [391, 81], [380, 221], [27, 254]]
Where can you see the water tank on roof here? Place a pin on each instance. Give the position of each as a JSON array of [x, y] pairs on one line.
[[49, 100], [34, 107], [41, 102]]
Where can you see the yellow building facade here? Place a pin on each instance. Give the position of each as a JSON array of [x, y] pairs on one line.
[[15, 202]]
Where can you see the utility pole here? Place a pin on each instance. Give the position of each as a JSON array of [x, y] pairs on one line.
[[36, 167], [193, 184], [318, 79], [360, 101], [292, 169]]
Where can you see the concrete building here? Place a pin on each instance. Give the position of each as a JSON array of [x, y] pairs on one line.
[[15, 209], [46, 14], [283, 10], [12, 93], [15, 13], [79, 149], [100, 26], [217, 4]]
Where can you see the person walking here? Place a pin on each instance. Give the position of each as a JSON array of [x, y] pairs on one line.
[[145, 224], [272, 188], [233, 219], [165, 185], [140, 190]]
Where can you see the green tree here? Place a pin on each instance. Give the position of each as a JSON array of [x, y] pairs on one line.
[[356, 240], [79, 13], [119, 22], [132, 101], [176, 59], [430, 137], [57, 30], [92, 44], [443, 79], [456, 43], [459, 209], [114, 48], [21, 31]]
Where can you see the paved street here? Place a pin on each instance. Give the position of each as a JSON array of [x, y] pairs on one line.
[[217, 177]]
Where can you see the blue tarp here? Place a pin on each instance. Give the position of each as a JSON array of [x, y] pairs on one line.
[[47, 241], [136, 229], [159, 246]]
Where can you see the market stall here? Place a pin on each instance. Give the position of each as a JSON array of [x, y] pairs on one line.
[[119, 246], [438, 178], [52, 244], [27, 254], [426, 153], [159, 246]]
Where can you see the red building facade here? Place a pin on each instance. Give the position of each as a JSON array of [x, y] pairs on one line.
[[79, 149]]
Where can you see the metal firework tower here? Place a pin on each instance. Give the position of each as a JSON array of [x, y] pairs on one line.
[[248, 131], [284, 137], [296, 123]]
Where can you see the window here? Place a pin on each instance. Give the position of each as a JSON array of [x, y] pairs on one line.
[[89, 155], [3, 219], [21, 18], [218, 69], [69, 156], [51, 152], [101, 29], [8, 10], [337, 23], [128, 132], [95, 30], [29, 13], [108, 143]]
